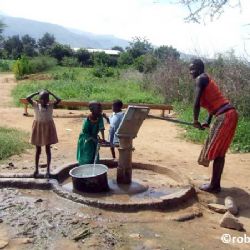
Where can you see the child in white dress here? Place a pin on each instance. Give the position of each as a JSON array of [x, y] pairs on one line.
[[43, 128]]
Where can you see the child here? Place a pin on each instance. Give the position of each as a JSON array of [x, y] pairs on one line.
[[88, 138], [43, 129], [114, 120]]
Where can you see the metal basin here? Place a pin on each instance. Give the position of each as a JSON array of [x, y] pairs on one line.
[[90, 178]]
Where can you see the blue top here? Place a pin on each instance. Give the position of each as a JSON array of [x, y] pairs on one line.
[[115, 120]]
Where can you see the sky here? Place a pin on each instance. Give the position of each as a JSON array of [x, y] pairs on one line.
[[159, 21]]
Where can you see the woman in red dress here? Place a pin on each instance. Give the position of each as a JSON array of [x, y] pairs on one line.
[[208, 96]]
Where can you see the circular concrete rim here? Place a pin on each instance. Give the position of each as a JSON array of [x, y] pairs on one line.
[[183, 194]]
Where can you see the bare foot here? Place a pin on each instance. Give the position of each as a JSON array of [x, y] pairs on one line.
[[209, 188]]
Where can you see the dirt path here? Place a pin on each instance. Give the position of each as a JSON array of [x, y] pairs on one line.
[[158, 142]]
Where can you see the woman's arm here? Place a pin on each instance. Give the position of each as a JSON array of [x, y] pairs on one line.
[[57, 101], [104, 115], [102, 134], [29, 98], [201, 83]]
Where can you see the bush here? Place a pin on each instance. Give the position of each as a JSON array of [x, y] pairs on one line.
[[70, 62], [145, 63], [21, 67], [102, 71], [42, 63], [171, 78], [25, 66], [233, 77], [125, 58]]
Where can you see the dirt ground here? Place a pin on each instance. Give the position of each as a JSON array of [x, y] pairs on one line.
[[158, 142]]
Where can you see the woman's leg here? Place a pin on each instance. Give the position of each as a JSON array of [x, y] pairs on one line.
[[48, 153], [37, 157], [214, 185]]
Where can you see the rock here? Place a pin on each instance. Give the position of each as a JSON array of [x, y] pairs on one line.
[[135, 236], [187, 216], [3, 243], [1, 220], [74, 222], [39, 200], [230, 221], [219, 208], [27, 240], [231, 205], [82, 235]]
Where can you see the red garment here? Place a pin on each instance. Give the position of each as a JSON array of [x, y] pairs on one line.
[[211, 98], [220, 137], [224, 136]]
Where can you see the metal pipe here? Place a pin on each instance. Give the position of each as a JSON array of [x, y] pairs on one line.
[[170, 120]]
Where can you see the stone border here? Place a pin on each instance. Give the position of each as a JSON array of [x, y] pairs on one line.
[[184, 193]]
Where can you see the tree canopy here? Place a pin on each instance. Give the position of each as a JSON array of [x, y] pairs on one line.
[[201, 9]]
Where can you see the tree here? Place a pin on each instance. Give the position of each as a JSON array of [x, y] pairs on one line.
[[125, 58], [118, 48], [200, 9], [29, 46], [59, 51], [165, 52], [139, 46], [45, 43], [101, 58], [2, 25], [13, 47], [145, 63], [84, 57]]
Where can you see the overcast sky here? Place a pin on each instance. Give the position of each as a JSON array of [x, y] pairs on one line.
[[157, 20]]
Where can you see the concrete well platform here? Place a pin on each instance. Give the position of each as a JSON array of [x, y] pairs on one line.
[[152, 187]]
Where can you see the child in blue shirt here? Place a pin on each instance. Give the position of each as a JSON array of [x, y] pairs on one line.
[[114, 120]]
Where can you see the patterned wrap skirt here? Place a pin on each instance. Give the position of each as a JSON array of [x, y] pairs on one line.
[[220, 137], [43, 133]]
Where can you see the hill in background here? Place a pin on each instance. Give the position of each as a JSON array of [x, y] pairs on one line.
[[74, 38]]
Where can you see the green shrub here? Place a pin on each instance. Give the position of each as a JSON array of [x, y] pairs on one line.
[[145, 63], [12, 142], [25, 66], [42, 63], [103, 71], [70, 62], [21, 67]]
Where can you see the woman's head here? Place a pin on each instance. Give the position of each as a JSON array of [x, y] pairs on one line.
[[95, 108], [117, 105], [44, 97], [196, 68]]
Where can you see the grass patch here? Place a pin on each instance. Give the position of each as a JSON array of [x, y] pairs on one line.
[[12, 142], [241, 142], [80, 84]]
